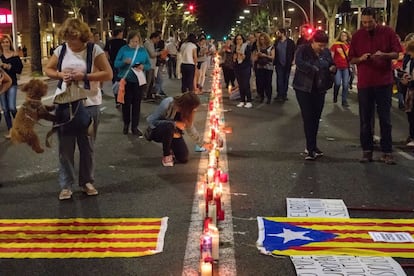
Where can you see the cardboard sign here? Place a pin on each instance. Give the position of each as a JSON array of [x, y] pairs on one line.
[[316, 208], [346, 266]]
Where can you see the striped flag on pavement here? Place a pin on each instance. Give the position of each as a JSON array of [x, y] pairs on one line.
[[336, 236], [81, 237]]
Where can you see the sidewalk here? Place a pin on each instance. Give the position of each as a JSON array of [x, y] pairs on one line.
[[26, 74]]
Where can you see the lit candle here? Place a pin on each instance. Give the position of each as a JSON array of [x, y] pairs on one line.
[[215, 241], [210, 175], [206, 269], [206, 246], [212, 211], [224, 177]]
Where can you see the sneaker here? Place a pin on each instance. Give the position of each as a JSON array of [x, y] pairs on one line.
[[345, 104], [168, 161], [89, 189], [241, 104], [65, 194], [318, 152], [310, 156], [366, 156], [138, 132], [410, 144], [388, 159], [8, 135], [248, 105]]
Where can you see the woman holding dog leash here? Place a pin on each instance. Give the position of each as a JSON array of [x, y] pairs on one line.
[[79, 67]]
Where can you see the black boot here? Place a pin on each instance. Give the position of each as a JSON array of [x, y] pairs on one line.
[[125, 130], [335, 97]]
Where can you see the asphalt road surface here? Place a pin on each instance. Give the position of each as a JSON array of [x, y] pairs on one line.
[[265, 166]]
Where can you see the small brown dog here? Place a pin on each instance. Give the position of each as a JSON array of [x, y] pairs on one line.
[[31, 111]]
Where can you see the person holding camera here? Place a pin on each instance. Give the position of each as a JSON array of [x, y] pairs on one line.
[[372, 49], [130, 60], [264, 60]]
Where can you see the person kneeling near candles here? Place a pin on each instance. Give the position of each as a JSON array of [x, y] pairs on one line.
[[169, 120]]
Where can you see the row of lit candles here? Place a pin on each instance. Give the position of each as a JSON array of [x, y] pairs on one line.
[[210, 187]]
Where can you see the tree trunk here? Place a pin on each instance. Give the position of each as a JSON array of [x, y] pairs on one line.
[[331, 29], [393, 14], [36, 60]]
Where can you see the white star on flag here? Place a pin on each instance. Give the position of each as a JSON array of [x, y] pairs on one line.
[[289, 235]]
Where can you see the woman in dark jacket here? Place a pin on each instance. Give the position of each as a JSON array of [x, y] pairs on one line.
[[313, 77], [11, 63]]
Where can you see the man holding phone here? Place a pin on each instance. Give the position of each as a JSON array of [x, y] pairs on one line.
[[372, 49]]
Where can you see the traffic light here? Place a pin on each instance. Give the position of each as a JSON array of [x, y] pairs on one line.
[[191, 8]]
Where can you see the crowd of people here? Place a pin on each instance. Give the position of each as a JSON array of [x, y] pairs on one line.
[[134, 66]]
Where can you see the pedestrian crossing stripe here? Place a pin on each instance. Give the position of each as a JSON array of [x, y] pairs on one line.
[[81, 237], [332, 236]]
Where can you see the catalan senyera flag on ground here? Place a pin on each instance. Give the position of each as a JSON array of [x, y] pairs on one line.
[[81, 237], [336, 236]]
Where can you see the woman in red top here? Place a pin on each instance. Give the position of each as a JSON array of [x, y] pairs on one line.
[[339, 50]]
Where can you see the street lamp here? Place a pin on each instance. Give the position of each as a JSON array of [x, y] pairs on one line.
[[52, 20]]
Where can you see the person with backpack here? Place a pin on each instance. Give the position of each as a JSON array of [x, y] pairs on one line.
[[78, 66]]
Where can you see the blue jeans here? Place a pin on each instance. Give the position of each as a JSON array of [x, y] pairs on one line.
[[369, 99], [8, 104], [85, 144], [342, 78]]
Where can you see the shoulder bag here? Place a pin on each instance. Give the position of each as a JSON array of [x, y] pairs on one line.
[[122, 82]]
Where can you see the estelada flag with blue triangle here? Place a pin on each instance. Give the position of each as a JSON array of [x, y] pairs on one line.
[[334, 236]]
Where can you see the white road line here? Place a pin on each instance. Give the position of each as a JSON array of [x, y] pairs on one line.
[[405, 155], [227, 261]]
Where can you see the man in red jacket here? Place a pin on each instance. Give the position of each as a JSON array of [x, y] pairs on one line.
[[372, 49]]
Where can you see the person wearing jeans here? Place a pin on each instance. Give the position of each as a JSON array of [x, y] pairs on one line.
[[339, 50], [8, 104], [11, 63], [167, 123], [372, 49]]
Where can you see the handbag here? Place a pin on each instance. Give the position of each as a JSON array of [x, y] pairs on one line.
[[120, 98], [73, 118]]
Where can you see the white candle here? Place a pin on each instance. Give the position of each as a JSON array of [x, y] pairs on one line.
[[215, 244], [212, 212], [206, 269], [210, 174]]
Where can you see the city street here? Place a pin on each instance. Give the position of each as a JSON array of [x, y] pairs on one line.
[[265, 164]]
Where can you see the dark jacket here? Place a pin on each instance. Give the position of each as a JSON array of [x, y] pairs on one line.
[[406, 59], [312, 72], [16, 67], [290, 52]]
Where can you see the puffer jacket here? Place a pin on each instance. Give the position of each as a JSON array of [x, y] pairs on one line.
[[312, 71]]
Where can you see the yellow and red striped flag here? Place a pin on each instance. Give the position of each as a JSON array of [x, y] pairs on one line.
[[81, 237], [335, 236]]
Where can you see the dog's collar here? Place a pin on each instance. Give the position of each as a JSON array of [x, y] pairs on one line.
[[33, 100]]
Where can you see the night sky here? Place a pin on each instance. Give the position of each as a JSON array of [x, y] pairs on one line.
[[216, 17]]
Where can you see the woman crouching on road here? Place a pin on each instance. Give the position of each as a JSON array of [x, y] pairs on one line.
[[169, 120], [314, 75]]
